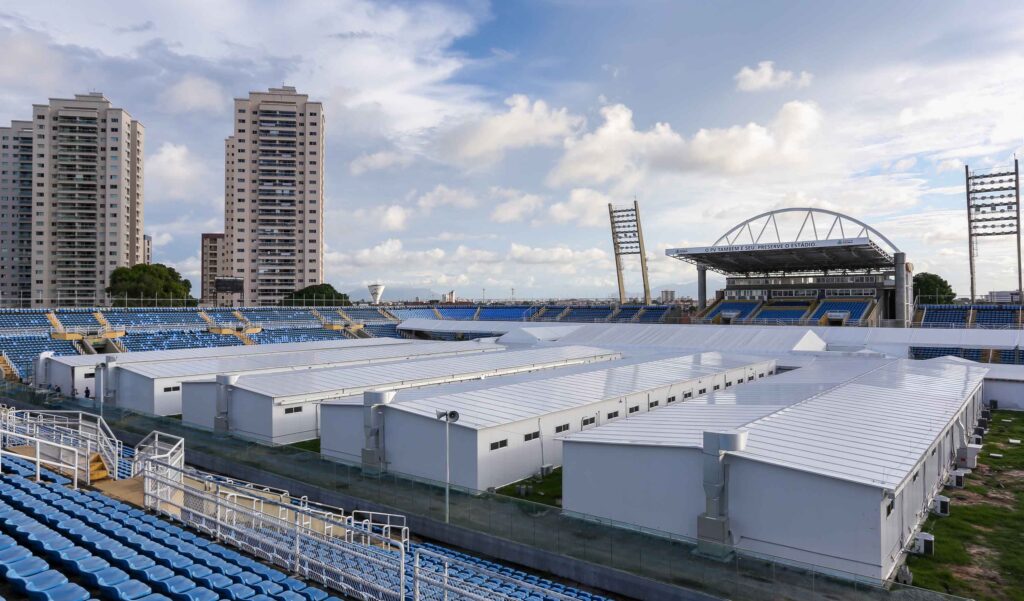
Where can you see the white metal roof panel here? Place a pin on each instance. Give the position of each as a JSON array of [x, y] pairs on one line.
[[503, 404], [227, 351], [738, 339], [478, 327], [306, 359], [342, 381], [872, 430], [682, 424]]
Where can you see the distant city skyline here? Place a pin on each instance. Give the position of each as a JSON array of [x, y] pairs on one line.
[[476, 145]]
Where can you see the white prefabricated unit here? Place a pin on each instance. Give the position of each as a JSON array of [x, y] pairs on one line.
[[154, 387], [79, 371], [840, 478], [283, 408], [509, 431]]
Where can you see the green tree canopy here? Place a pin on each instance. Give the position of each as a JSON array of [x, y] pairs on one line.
[[148, 286], [318, 294], [931, 288]]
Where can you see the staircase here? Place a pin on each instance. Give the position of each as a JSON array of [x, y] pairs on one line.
[[564, 312], [117, 345], [244, 337], [102, 319], [437, 313], [536, 316], [97, 469], [57, 325], [320, 318], [615, 312], [345, 316], [207, 318], [476, 315], [238, 315], [9, 371]]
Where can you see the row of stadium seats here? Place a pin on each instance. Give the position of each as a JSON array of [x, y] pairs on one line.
[[506, 313], [269, 315], [856, 308], [153, 317], [417, 313], [742, 309], [457, 313], [12, 319], [175, 339], [84, 319], [586, 314], [23, 350], [115, 551], [296, 335], [954, 316], [368, 314]]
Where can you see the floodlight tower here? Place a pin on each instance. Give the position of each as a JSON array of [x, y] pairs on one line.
[[993, 209], [628, 239]]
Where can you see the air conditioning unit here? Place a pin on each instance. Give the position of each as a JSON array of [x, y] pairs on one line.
[[983, 423], [940, 506], [967, 457], [924, 544], [979, 431], [956, 479], [546, 469], [993, 404], [986, 414], [977, 439]]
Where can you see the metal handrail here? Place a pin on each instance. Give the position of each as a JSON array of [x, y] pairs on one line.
[[75, 467]]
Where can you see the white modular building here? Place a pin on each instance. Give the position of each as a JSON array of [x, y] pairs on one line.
[[840, 478], [508, 431], [283, 408], [79, 371], [154, 387]]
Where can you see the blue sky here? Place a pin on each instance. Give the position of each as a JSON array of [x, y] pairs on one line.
[[475, 145]]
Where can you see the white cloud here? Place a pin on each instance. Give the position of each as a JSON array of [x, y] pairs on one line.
[[162, 239], [517, 205], [618, 151], [444, 196], [196, 93], [378, 161], [522, 253], [585, 208], [174, 173], [30, 63], [949, 165], [464, 254], [391, 252], [394, 218], [524, 125], [766, 77], [904, 164]]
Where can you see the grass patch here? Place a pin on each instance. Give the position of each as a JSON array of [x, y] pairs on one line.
[[312, 446], [546, 490], [979, 548]]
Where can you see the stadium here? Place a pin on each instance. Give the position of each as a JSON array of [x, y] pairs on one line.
[[491, 450]]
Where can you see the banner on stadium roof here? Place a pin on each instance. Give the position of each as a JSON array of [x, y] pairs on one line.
[[768, 246]]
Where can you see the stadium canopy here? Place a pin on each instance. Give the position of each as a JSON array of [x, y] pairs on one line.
[[795, 240]]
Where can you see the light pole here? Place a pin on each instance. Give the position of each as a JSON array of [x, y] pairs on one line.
[[449, 418]]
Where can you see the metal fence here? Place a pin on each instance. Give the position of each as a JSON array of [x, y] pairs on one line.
[[657, 555]]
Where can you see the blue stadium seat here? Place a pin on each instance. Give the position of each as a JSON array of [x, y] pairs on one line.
[[382, 330], [856, 308], [77, 318], [23, 350], [175, 339], [996, 316], [20, 319], [743, 309], [154, 317], [411, 313], [364, 314], [588, 314], [457, 313], [506, 313], [653, 314], [946, 316], [296, 335]]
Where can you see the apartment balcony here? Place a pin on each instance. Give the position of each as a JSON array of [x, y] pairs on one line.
[[75, 177], [263, 192], [278, 173], [277, 123], [276, 213], [77, 119], [76, 159], [275, 243], [63, 138], [77, 148], [277, 114]]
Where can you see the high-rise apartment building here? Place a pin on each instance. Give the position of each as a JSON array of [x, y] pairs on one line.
[[212, 260], [16, 214], [86, 199], [147, 249], [273, 195]]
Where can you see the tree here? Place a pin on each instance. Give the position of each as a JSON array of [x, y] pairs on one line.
[[318, 294], [931, 288], [152, 285]]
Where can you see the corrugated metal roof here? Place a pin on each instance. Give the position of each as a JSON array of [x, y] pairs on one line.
[[740, 339], [478, 327], [682, 424], [306, 359], [226, 351], [872, 430], [341, 381], [503, 404]]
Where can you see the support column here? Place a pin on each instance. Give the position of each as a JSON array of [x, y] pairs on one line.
[[901, 289], [714, 537], [702, 287]]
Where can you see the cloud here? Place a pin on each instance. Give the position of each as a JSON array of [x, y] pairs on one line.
[[196, 93], [949, 165], [174, 173], [391, 252], [765, 77], [162, 239], [444, 196], [618, 151], [484, 141], [377, 161], [530, 255], [904, 164], [585, 208], [517, 205], [31, 63]]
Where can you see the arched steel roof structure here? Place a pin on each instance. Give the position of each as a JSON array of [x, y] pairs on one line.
[[794, 240]]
